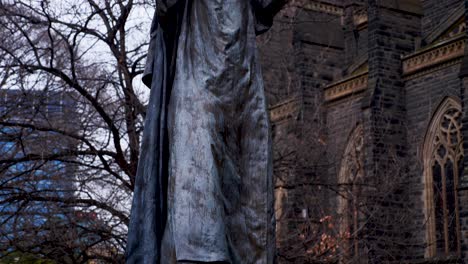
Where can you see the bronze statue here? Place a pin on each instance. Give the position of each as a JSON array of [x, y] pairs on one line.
[[204, 187]]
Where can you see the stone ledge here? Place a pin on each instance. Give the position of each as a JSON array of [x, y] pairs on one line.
[[285, 109], [351, 85], [441, 53], [325, 8]]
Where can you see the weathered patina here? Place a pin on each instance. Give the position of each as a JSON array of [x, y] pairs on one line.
[[204, 188]]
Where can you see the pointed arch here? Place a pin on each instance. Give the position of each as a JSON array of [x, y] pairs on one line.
[[352, 159], [350, 200], [442, 158]]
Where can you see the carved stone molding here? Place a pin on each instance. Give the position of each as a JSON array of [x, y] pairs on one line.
[[453, 25], [348, 86], [285, 109], [458, 29], [325, 8], [441, 53], [430, 70], [360, 20]]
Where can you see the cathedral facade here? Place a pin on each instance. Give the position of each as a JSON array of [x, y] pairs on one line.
[[368, 107]]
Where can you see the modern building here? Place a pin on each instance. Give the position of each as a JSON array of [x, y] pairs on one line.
[[31, 179]]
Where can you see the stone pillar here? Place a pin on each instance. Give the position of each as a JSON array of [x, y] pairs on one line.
[[355, 34], [392, 31]]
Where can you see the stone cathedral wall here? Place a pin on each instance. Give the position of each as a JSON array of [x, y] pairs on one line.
[[386, 66], [424, 94]]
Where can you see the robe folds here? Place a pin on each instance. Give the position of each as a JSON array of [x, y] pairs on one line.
[[204, 190]]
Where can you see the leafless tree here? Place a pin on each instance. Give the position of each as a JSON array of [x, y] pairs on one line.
[[70, 125]]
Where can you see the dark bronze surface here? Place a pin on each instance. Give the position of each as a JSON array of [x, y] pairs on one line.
[[204, 188]]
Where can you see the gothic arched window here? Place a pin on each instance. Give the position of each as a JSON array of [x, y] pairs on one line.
[[443, 155], [350, 199]]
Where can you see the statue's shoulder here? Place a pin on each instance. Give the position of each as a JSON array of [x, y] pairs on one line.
[[265, 11]]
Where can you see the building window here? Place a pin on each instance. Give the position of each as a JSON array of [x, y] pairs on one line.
[[350, 202], [443, 155]]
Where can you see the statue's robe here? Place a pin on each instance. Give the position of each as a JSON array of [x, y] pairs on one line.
[[204, 188]]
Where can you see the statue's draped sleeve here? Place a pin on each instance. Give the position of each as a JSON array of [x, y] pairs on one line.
[[148, 214], [164, 30]]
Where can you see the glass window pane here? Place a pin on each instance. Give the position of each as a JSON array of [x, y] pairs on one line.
[[438, 207], [451, 216]]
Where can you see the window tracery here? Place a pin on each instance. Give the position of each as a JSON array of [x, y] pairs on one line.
[[350, 199], [443, 154]]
